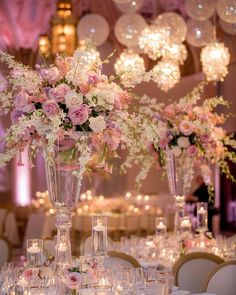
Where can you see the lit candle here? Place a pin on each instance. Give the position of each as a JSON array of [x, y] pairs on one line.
[[161, 225], [62, 247], [33, 249]]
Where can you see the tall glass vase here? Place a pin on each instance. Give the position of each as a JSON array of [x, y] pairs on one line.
[[180, 175], [64, 182]]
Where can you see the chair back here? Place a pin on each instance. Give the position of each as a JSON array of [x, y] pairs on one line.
[[191, 270], [222, 280], [114, 258], [5, 250], [3, 213], [11, 229]]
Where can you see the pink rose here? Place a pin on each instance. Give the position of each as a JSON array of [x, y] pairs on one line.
[[163, 143], [192, 150], [58, 93], [22, 103], [93, 78], [52, 74], [50, 108], [27, 273], [73, 280], [80, 114], [186, 127]]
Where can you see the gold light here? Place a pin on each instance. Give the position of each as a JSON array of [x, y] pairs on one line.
[[64, 37], [44, 45]]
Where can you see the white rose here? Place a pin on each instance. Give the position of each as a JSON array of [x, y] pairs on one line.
[[97, 124], [176, 151], [183, 142], [73, 99]]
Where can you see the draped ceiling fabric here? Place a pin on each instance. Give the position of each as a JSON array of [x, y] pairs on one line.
[[22, 21]]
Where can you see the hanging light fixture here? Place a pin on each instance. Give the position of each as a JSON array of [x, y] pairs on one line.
[[215, 59], [176, 52], [166, 74], [152, 40], [63, 32], [63, 29], [130, 67], [44, 45]]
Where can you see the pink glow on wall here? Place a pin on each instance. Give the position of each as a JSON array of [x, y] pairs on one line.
[[22, 190]]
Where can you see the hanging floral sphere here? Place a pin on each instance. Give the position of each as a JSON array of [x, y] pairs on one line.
[[175, 52], [215, 59], [166, 74], [152, 40], [130, 67]]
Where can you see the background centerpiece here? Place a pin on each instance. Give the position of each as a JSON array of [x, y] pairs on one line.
[[187, 136], [70, 109]]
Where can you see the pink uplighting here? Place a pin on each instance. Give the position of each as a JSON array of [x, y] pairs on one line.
[[22, 190]]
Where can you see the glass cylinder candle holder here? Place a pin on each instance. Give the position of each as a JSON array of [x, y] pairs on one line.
[[161, 226], [99, 234], [185, 225], [34, 252], [202, 217]]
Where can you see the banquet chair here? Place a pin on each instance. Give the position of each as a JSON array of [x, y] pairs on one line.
[[86, 245], [5, 250], [114, 258], [191, 270], [3, 213], [222, 280]]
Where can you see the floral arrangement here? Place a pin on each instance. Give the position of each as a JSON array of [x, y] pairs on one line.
[[85, 266], [71, 98], [189, 130]]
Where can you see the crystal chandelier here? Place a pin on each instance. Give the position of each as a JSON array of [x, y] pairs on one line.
[[215, 59], [130, 67], [152, 40], [176, 52], [166, 74]]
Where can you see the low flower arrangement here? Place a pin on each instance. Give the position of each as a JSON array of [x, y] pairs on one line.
[[190, 128], [71, 98], [84, 266]]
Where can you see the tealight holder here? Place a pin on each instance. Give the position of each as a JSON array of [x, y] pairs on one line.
[[202, 217], [34, 252], [185, 226], [161, 226], [99, 235]]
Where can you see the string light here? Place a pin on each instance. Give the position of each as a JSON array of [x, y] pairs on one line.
[[215, 59], [130, 67]]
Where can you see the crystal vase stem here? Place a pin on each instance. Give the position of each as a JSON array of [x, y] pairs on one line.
[[62, 243]]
